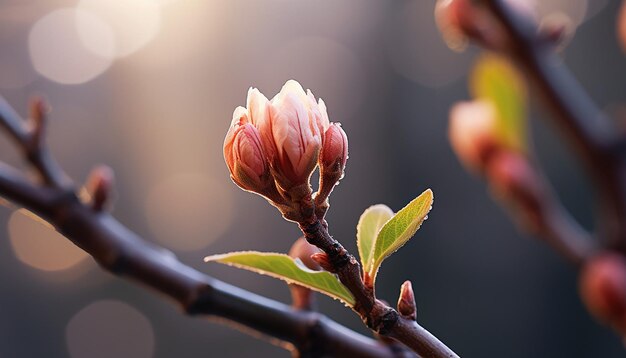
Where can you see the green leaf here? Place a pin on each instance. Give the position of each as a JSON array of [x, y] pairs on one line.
[[285, 268], [370, 223], [399, 229], [495, 79]]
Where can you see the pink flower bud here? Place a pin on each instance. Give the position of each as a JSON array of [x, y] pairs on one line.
[[244, 154], [292, 134], [335, 148], [473, 132]]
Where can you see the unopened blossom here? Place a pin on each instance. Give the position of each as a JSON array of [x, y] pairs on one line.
[[472, 131], [244, 154], [291, 133], [334, 149]]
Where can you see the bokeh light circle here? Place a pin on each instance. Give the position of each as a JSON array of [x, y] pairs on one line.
[[133, 22], [57, 51], [109, 328], [38, 245]]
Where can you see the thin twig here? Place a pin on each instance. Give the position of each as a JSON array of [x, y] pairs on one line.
[[377, 315], [118, 250]]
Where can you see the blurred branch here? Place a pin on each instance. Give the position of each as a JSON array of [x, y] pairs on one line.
[[123, 253], [590, 132], [30, 138], [596, 140], [521, 185]]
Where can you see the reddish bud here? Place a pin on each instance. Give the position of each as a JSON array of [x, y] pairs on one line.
[[473, 132], [450, 16], [406, 301], [603, 289], [302, 250], [100, 186], [324, 262], [335, 149], [513, 178], [302, 297], [245, 156]]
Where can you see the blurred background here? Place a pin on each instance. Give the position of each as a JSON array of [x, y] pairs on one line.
[[149, 87]]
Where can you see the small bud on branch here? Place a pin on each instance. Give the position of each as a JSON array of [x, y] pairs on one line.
[[406, 301], [100, 187]]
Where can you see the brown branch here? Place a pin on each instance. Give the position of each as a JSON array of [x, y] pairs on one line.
[[589, 131], [118, 250], [523, 187], [377, 315], [30, 137]]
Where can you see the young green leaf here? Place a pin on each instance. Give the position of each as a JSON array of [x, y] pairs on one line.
[[399, 229], [285, 268], [495, 79], [370, 223]]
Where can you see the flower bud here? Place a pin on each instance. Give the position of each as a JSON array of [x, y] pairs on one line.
[[406, 301], [334, 149], [100, 187], [603, 289], [302, 297], [450, 21], [332, 162], [245, 156], [323, 261], [292, 132], [473, 132]]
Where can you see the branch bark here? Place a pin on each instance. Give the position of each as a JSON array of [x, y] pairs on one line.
[[377, 315], [118, 250]]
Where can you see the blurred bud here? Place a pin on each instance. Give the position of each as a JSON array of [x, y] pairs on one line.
[[100, 187], [603, 289], [302, 297], [621, 25], [292, 134], [406, 301], [557, 29], [515, 180], [39, 110], [324, 262], [245, 156], [461, 20], [473, 133], [451, 18], [302, 250]]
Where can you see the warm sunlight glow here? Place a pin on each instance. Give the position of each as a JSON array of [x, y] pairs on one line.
[[37, 244], [56, 49], [134, 24]]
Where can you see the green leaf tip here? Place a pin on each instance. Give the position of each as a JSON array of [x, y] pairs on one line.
[[398, 230], [284, 267]]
